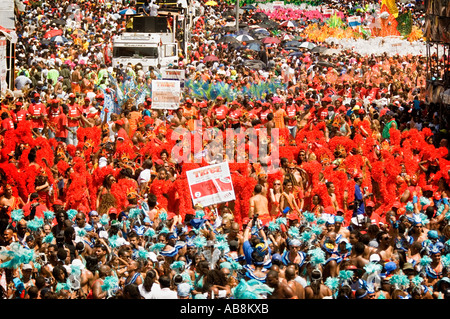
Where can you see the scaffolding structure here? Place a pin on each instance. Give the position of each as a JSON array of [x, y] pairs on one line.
[[437, 34]]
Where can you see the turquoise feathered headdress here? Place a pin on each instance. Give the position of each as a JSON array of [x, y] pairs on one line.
[[142, 254], [316, 230], [425, 261], [399, 281], [309, 217], [35, 224], [162, 216], [221, 237], [293, 232], [306, 236], [223, 246], [424, 201], [71, 213], [164, 230], [81, 232], [417, 280], [112, 240], [332, 283], [48, 239], [150, 232], [178, 266], [273, 226], [281, 220], [49, 215], [345, 276], [199, 242], [199, 214], [372, 274], [104, 220], [134, 213], [157, 247], [251, 289], [62, 286], [17, 215], [17, 255], [445, 260], [317, 257], [409, 207], [110, 285]]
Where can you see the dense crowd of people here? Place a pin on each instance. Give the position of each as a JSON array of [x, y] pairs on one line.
[[94, 204]]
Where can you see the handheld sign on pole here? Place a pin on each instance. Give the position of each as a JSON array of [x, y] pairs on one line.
[[211, 184]]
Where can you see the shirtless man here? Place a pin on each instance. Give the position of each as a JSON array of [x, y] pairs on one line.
[[281, 290], [417, 233], [343, 232], [316, 289], [97, 292], [385, 245], [236, 235], [290, 275], [331, 192], [358, 258], [179, 120], [259, 205], [86, 280], [288, 198], [9, 201]]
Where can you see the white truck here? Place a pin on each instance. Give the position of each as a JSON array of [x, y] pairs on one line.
[[148, 49]]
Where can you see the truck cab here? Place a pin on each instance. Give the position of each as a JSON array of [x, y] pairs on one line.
[[148, 49]]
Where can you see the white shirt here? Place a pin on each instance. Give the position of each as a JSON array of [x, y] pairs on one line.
[[165, 293], [148, 294], [144, 176]]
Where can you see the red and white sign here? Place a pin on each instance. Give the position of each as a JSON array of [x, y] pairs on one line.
[[211, 184]]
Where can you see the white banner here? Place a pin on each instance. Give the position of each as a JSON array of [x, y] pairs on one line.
[[3, 67], [211, 184], [166, 94], [354, 21], [174, 74]]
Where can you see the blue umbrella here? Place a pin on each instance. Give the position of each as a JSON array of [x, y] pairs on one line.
[[262, 31], [127, 11], [59, 39], [248, 7], [253, 46], [241, 32], [244, 37], [296, 53]]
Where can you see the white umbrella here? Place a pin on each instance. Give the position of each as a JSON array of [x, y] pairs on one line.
[[72, 7], [288, 24], [244, 37], [128, 11], [307, 45], [331, 51]]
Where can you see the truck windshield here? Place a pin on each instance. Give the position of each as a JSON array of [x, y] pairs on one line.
[[139, 52]]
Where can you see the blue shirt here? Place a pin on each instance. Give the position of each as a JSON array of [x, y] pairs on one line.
[[359, 197]]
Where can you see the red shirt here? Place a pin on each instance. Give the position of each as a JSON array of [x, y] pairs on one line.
[[7, 124], [221, 112], [53, 114], [291, 111], [373, 94], [40, 209], [263, 115], [322, 112], [19, 116], [36, 110], [61, 122], [254, 113], [235, 115], [73, 112]]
